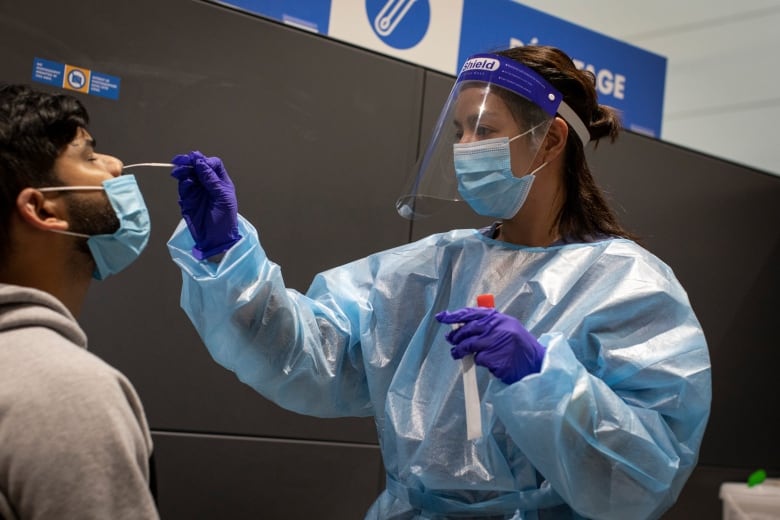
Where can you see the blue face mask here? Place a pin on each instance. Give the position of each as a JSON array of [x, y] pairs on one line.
[[114, 252], [485, 178]]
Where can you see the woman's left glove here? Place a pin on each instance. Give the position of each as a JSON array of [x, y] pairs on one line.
[[499, 342], [208, 203]]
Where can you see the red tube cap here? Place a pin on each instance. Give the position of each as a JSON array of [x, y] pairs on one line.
[[486, 300]]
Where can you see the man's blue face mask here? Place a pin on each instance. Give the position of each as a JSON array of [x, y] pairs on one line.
[[113, 252], [485, 180]]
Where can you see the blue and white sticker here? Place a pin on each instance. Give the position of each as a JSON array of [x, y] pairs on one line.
[[73, 77]]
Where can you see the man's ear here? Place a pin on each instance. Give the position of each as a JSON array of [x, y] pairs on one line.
[[36, 210], [555, 142]]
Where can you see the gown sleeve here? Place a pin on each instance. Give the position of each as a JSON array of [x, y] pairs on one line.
[[300, 352], [616, 416]]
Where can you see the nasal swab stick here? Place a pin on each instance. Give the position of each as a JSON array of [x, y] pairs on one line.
[[158, 164]]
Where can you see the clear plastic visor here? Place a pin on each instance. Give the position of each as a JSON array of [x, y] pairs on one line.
[[475, 111]]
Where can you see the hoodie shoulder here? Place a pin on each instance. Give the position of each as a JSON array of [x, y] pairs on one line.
[[27, 309]]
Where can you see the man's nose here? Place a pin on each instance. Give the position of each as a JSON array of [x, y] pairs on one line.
[[112, 164]]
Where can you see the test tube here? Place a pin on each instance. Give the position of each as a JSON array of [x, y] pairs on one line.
[[470, 389]]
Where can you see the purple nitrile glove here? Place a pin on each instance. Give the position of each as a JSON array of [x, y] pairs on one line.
[[499, 342], [208, 203]]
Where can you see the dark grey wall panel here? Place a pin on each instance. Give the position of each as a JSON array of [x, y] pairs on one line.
[[213, 477], [700, 498], [316, 135], [715, 223]]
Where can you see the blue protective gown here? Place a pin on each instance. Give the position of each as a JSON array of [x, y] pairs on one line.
[[610, 427]]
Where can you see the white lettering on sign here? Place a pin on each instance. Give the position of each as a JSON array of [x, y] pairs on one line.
[[607, 82], [514, 42]]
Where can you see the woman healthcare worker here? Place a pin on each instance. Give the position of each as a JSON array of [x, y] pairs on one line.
[[592, 370]]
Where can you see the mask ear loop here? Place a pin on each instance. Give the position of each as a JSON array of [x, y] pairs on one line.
[[545, 163], [70, 188], [71, 233], [527, 131]]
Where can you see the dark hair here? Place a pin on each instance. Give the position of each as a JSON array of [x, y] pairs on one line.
[[585, 213], [35, 126]]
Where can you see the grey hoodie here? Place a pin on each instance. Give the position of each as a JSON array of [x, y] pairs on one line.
[[74, 442]]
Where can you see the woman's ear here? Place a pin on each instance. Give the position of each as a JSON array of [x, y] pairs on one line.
[[39, 212], [555, 142]]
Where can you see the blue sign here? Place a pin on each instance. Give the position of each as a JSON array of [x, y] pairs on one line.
[[312, 15], [628, 78], [442, 34]]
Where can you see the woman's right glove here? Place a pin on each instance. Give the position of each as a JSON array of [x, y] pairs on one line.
[[208, 203]]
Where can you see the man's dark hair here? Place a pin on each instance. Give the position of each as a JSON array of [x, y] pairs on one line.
[[35, 126]]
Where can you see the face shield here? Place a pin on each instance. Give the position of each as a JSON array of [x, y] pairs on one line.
[[495, 102]]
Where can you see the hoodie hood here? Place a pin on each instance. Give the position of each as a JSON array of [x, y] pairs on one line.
[[25, 307]]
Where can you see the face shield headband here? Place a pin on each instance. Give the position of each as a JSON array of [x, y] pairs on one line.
[[493, 97], [523, 81]]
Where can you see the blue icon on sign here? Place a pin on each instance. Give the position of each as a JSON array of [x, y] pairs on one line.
[[76, 79], [401, 24]]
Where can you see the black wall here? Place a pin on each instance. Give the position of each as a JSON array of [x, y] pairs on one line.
[[319, 137]]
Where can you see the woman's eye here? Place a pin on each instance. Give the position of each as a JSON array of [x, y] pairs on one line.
[[482, 131]]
